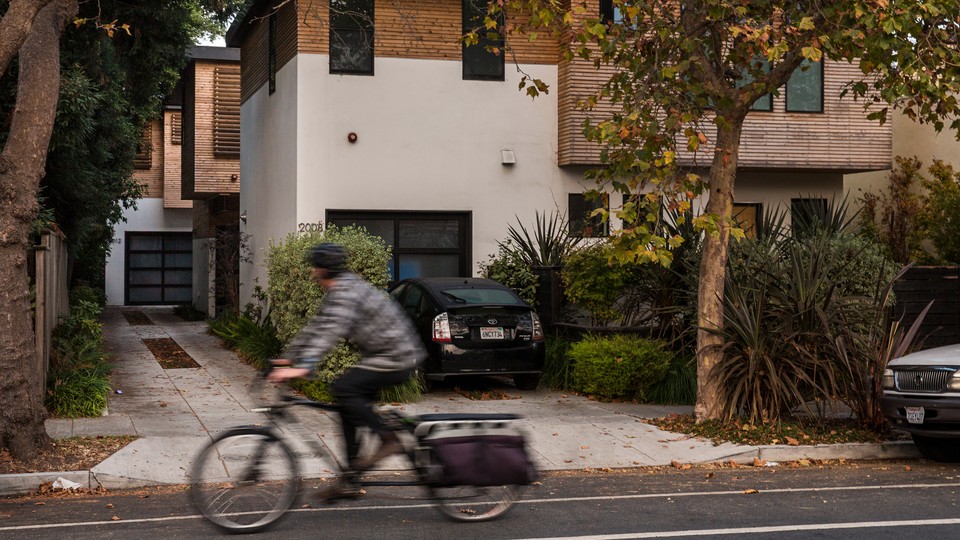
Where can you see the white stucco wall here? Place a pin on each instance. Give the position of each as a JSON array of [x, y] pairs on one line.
[[268, 165], [149, 216], [428, 140]]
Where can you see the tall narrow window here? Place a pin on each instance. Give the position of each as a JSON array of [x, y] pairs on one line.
[[579, 208], [144, 157], [351, 36], [226, 111], [484, 60], [610, 13], [747, 216], [764, 102], [272, 53], [805, 88]]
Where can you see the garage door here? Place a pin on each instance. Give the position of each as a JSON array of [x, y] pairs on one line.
[[159, 268]]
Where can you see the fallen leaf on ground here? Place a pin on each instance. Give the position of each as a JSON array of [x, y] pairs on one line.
[[757, 462], [792, 442], [750, 491]]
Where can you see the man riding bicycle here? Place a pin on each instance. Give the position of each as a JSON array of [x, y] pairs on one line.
[[390, 352]]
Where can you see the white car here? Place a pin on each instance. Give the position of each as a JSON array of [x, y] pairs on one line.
[[921, 395]]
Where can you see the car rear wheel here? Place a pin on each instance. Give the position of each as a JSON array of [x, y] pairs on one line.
[[936, 449], [527, 381]]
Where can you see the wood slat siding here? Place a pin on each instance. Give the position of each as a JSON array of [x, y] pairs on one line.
[[205, 174], [172, 131], [424, 29], [151, 177], [255, 47], [840, 138], [918, 286]]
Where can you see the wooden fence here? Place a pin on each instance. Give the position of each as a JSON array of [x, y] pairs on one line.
[[916, 288], [52, 298]]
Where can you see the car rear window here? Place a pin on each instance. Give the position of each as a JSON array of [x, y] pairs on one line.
[[479, 296]]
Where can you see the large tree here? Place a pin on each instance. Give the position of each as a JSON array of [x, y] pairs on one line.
[[138, 71], [686, 73]]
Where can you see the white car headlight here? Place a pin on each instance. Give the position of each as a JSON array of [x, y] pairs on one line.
[[953, 383]]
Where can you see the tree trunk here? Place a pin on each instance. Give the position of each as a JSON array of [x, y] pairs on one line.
[[713, 265], [21, 168]]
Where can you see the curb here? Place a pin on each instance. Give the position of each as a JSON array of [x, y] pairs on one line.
[[22, 484]]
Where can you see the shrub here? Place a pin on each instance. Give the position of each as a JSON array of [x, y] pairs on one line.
[[939, 216], [557, 366], [88, 294], [595, 284], [80, 392], [509, 268], [294, 296], [189, 313], [79, 379], [618, 366], [679, 386]]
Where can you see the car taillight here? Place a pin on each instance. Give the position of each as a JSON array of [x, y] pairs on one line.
[[441, 328], [537, 327]]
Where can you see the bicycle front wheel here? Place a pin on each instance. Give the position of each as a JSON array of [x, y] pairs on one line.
[[244, 480], [474, 503]]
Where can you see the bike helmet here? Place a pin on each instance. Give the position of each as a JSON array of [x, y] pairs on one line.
[[329, 256]]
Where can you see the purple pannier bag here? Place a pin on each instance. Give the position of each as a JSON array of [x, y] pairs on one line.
[[478, 454]]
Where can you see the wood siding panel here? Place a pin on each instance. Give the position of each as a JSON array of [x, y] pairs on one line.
[[226, 111], [255, 46], [151, 178], [172, 158], [210, 174]]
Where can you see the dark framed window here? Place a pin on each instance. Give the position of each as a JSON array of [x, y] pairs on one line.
[[485, 60], [159, 268], [579, 208], [351, 36], [424, 244], [807, 214], [805, 88], [747, 216], [272, 53], [610, 13], [765, 102]]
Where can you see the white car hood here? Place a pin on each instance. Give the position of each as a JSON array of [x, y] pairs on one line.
[[948, 355]]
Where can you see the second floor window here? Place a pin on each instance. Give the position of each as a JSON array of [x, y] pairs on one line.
[[351, 36], [805, 88], [483, 61]]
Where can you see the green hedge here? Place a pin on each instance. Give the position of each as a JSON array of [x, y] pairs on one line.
[[618, 366], [79, 379]]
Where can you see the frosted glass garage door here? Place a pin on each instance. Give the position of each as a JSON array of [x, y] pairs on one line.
[[159, 268]]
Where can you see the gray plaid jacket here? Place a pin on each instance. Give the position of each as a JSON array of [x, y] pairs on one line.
[[354, 310]]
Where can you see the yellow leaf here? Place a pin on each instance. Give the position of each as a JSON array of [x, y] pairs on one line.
[[750, 491]]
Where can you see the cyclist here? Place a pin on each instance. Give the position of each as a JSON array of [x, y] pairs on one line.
[[390, 351]]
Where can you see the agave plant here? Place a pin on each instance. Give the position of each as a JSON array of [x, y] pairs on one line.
[[548, 245]]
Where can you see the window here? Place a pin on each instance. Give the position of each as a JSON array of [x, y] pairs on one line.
[[144, 157], [805, 88], [765, 102], [479, 62], [579, 207], [425, 244], [610, 13], [747, 216], [807, 214], [272, 53], [351, 36], [226, 112]]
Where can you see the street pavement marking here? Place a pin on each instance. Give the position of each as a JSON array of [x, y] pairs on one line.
[[695, 532]]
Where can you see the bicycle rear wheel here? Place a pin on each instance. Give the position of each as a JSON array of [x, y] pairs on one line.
[[473, 503], [244, 480]]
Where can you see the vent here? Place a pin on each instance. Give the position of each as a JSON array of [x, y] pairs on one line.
[[176, 129], [226, 112]]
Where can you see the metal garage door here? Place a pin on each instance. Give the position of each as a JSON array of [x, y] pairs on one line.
[[159, 268]]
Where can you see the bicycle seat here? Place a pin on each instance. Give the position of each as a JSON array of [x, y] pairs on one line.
[[458, 417]]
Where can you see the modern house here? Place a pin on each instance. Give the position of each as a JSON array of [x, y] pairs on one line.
[[189, 165], [371, 112]]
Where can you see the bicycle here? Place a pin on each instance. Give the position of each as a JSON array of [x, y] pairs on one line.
[[247, 477]]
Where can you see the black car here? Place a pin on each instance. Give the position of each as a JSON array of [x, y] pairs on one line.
[[474, 326]]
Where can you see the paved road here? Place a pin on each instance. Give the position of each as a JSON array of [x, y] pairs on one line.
[[853, 501]]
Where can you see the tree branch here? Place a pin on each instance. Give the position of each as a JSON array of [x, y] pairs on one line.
[[14, 27]]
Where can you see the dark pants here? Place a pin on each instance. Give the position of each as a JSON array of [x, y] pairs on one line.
[[356, 392]]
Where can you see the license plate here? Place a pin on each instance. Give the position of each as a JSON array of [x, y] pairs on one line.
[[915, 415], [491, 332]]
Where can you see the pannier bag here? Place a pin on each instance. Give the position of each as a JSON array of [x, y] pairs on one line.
[[474, 452]]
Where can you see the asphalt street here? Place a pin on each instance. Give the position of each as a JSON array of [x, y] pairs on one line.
[[866, 500]]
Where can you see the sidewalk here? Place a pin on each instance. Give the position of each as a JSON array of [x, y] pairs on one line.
[[176, 411]]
